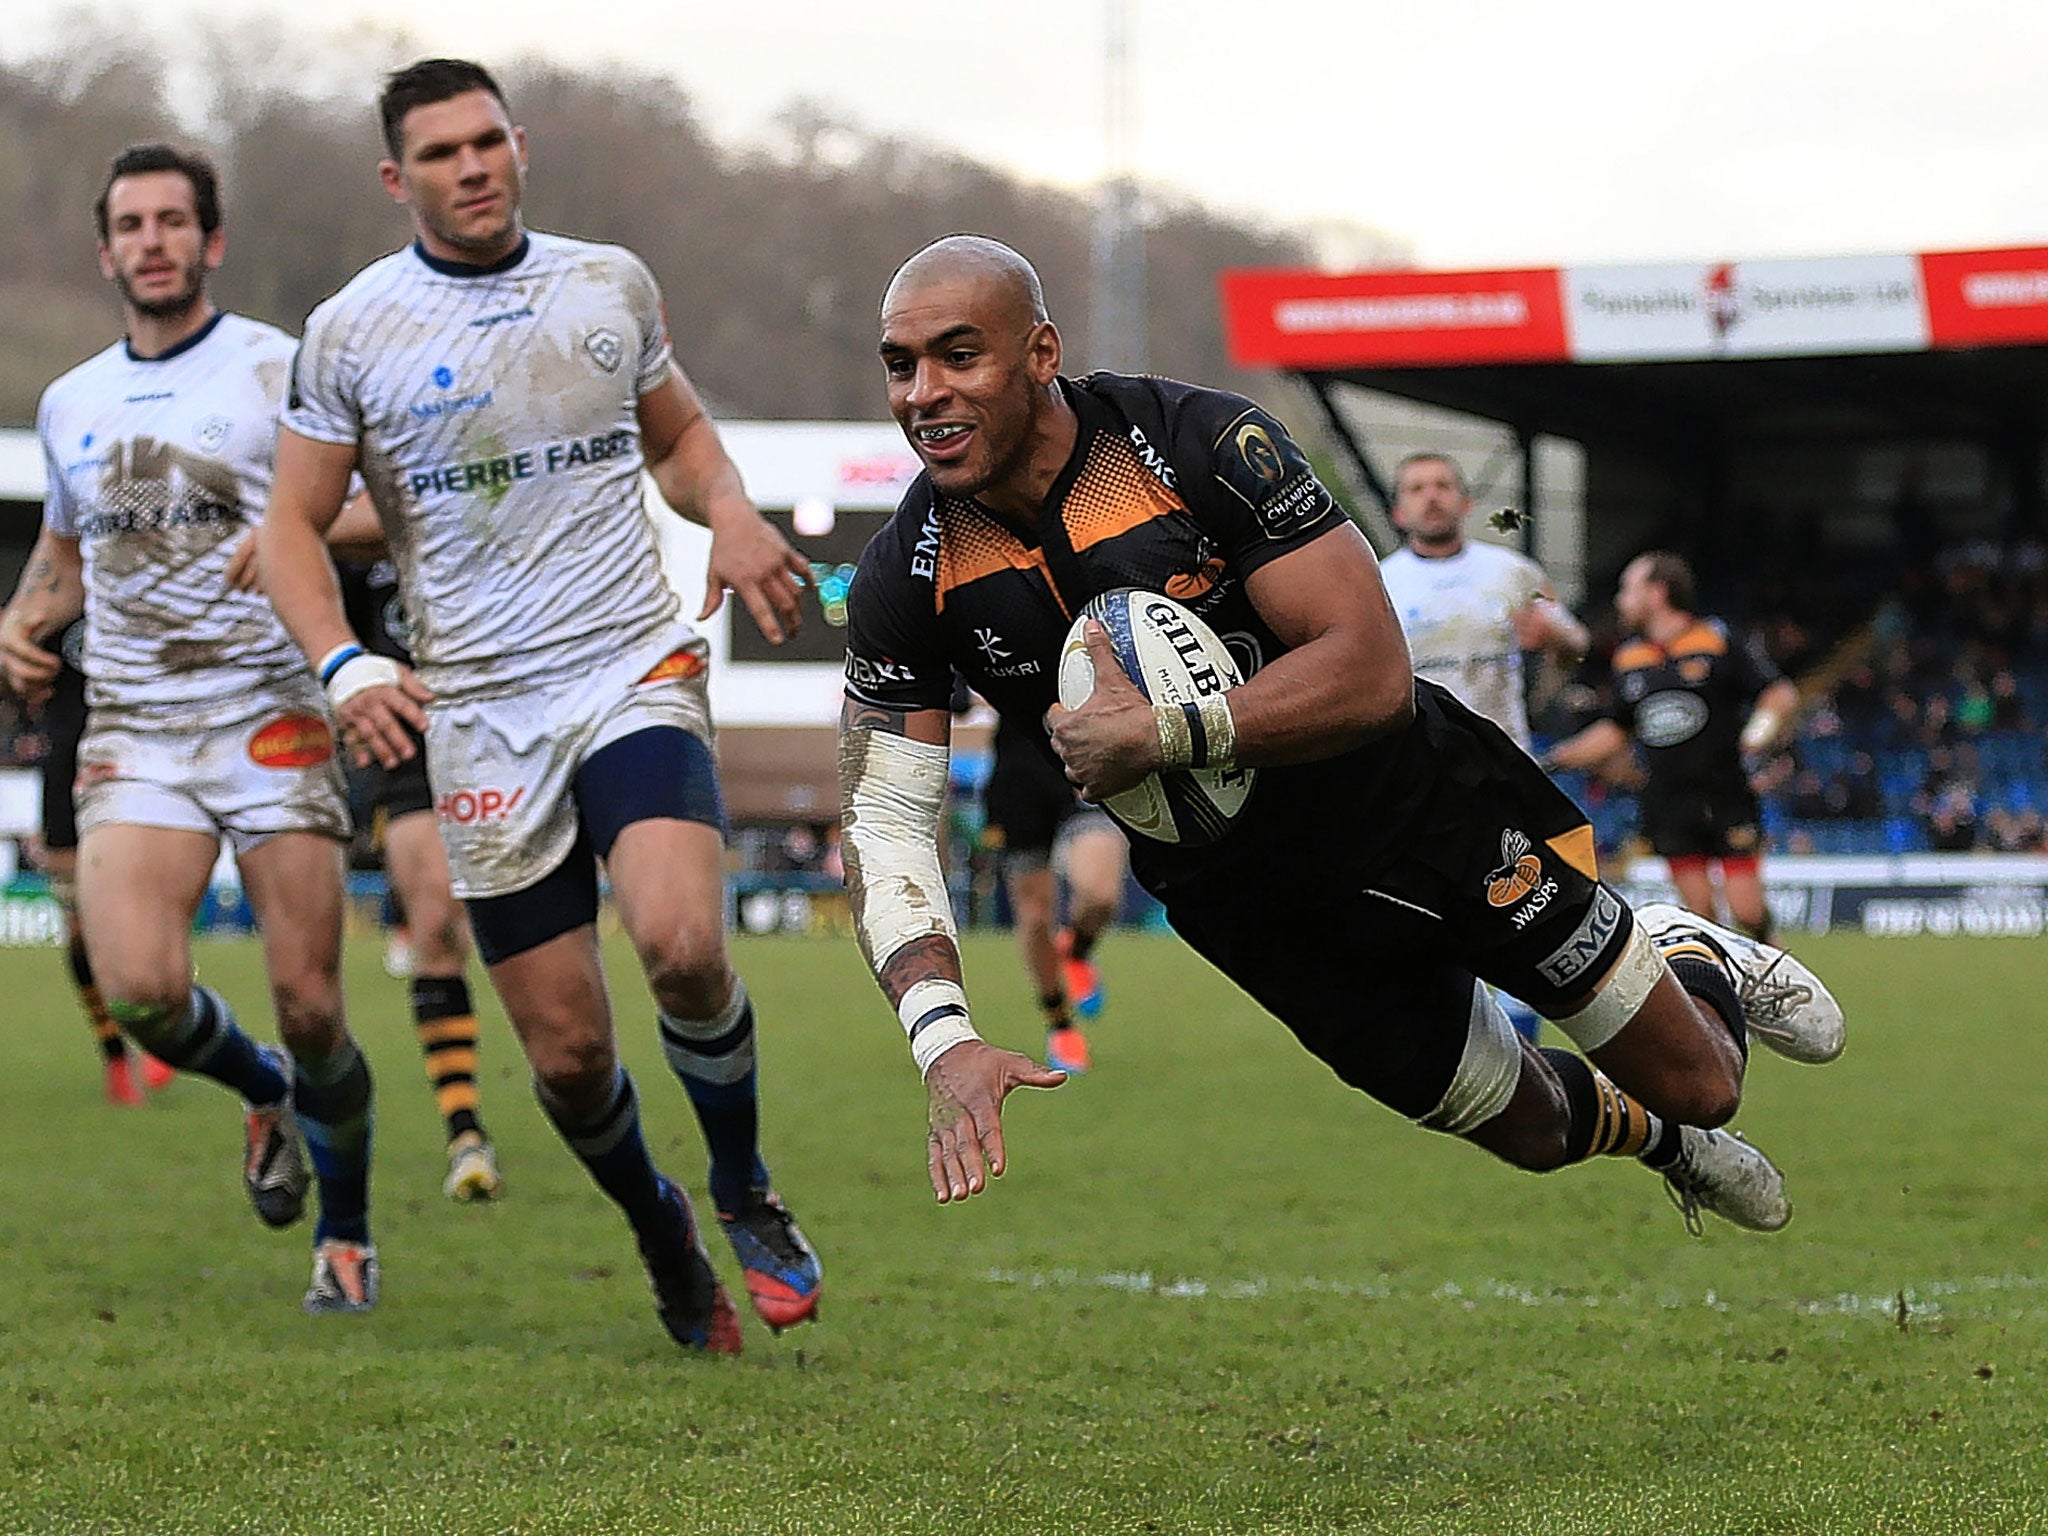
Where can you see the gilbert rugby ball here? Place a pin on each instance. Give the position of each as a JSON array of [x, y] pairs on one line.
[[1173, 658]]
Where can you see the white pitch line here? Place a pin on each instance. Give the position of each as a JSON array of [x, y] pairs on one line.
[[1927, 1302]]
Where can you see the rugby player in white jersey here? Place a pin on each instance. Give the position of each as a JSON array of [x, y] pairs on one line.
[[203, 723], [501, 393], [1470, 610]]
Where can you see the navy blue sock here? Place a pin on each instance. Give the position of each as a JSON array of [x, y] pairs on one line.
[[610, 1145], [333, 1101], [206, 1039], [714, 1059]]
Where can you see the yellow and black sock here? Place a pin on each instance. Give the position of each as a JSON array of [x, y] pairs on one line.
[[445, 1023], [1605, 1122], [104, 1029]]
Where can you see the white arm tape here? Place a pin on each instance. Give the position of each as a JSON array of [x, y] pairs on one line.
[[358, 673], [890, 790]]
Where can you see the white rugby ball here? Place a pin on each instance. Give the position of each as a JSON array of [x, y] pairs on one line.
[[1173, 658]]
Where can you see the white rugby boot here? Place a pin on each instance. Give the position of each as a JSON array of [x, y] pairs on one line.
[[1720, 1172], [1784, 1004]]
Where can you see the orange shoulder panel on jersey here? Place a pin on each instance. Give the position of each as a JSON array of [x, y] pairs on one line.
[[1701, 640], [974, 545], [1631, 655], [1113, 494]]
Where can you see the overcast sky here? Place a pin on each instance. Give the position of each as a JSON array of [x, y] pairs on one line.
[[1474, 132]]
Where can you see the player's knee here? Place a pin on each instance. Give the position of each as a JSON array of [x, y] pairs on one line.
[[576, 1073], [687, 971], [440, 936], [1706, 1097], [309, 1016], [1533, 1148]]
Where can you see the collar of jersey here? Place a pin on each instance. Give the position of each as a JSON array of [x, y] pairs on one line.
[[447, 268], [206, 330]]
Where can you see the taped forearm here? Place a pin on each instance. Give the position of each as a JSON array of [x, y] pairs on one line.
[[891, 789]]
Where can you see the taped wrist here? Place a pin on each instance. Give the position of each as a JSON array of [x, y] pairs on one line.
[[890, 790], [348, 669], [934, 1015], [1198, 735]]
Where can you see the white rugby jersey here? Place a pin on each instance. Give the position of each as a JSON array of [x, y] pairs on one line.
[[1455, 613], [159, 467], [495, 411]]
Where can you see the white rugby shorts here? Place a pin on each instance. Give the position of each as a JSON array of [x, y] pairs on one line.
[[502, 765], [266, 765]]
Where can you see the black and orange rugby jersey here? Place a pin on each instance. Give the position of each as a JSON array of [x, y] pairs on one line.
[[1687, 703], [1170, 488]]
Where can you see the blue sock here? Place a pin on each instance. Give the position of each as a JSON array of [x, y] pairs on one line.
[[1525, 1019], [612, 1148], [206, 1039], [714, 1058], [332, 1099]]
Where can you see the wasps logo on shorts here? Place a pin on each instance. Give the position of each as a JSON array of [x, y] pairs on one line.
[[1520, 871]]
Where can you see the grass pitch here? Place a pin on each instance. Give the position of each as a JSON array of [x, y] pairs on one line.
[[1217, 1292]]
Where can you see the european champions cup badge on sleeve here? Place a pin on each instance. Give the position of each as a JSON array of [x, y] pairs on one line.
[[606, 349], [1259, 453]]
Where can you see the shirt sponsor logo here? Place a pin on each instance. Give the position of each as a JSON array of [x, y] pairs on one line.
[[1153, 459], [466, 807], [864, 673], [687, 662], [1669, 717], [924, 559], [292, 741], [485, 322], [554, 459], [1577, 955]]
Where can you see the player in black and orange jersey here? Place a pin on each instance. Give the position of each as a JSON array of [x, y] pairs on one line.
[[1396, 848], [398, 802], [1699, 699]]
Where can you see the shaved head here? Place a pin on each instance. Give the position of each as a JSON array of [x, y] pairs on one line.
[[975, 258]]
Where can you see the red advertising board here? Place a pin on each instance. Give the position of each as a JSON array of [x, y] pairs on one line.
[[1291, 319], [1986, 298]]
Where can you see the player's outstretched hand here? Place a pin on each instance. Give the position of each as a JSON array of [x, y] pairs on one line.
[[751, 557], [243, 573], [29, 669], [1112, 740], [377, 723], [967, 1087]]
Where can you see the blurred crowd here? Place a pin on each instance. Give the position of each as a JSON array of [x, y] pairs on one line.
[[1923, 710]]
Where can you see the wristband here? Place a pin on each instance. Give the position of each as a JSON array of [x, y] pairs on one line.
[[934, 1015], [1202, 735], [352, 674], [335, 660]]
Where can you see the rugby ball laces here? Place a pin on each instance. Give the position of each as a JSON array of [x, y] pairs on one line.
[[1172, 657]]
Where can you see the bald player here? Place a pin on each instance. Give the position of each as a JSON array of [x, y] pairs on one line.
[[1397, 849]]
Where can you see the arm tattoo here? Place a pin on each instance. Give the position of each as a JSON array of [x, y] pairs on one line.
[[933, 957], [854, 715]]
